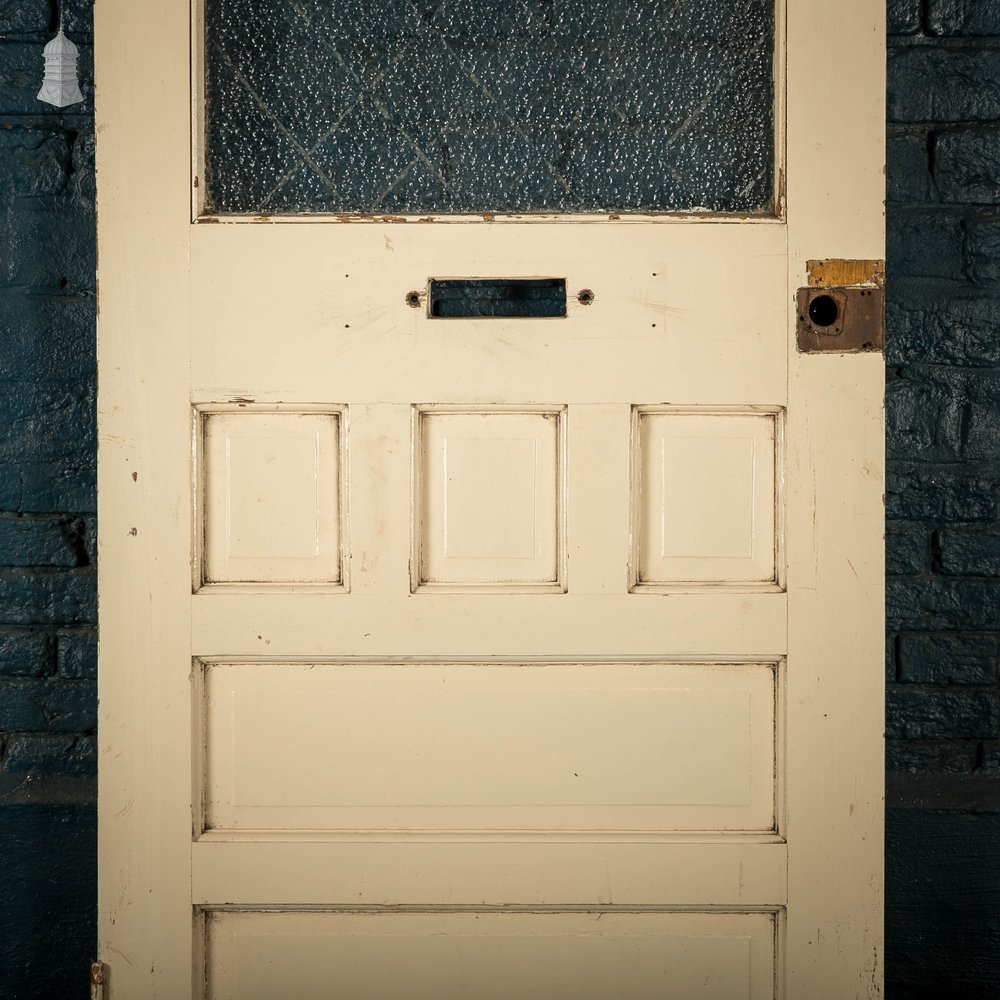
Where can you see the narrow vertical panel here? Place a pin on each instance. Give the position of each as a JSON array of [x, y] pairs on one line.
[[488, 498], [490, 955], [705, 497], [270, 486]]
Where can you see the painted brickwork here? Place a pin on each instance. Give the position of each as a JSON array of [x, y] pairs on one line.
[[943, 548], [48, 700], [943, 539]]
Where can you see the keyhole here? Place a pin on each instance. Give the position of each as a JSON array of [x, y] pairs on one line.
[[824, 311], [413, 300]]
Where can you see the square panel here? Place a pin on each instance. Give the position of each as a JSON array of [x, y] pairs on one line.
[[488, 498], [705, 498], [270, 495]]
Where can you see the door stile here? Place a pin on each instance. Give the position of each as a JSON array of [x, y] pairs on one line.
[[144, 732], [835, 518]]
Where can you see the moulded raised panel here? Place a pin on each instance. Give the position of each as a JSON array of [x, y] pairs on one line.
[[488, 498], [705, 498], [489, 955], [271, 497], [477, 746]]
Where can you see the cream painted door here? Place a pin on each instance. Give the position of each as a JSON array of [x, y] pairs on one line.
[[493, 658]]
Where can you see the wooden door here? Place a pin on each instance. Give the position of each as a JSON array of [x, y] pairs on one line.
[[530, 655]]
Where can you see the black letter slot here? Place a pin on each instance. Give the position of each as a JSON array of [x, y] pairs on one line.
[[497, 298]]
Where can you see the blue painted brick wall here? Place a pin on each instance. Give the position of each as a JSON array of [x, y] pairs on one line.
[[943, 538], [943, 393], [48, 698], [943, 532]]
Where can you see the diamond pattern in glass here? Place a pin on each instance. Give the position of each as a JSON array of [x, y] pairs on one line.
[[531, 106]]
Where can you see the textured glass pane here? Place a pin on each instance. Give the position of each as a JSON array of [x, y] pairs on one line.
[[403, 107]]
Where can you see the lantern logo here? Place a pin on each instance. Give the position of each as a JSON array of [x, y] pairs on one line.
[[60, 86]]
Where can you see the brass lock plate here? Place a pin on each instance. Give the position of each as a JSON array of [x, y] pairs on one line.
[[840, 320]]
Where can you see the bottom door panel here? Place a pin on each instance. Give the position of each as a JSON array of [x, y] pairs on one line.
[[489, 955]]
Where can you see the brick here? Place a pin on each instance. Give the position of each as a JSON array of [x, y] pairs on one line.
[[925, 323], [915, 414], [907, 550], [18, 17], [76, 653], [947, 659], [911, 757], [89, 538], [963, 17], [989, 762], [942, 603], [25, 654], [25, 16], [924, 244], [39, 598], [47, 706], [967, 166], [903, 17], [47, 338], [907, 175], [83, 179], [969, 553], [55, 245], [34, 541], [983, 440], [943, 715], [50, 754], [40, 485], [924, 414], [937, 84], [34, 160], [982, 421], [928, 494], [43, 421], [982, 249]]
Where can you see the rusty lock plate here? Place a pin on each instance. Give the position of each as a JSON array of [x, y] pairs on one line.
[[839, 320]]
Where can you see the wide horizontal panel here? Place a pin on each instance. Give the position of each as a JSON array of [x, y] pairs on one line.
[[489, 746], [489, 955], [556, 625], [707, 333], [415, 871]]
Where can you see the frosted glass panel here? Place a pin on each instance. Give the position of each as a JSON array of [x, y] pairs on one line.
[[348, 106]]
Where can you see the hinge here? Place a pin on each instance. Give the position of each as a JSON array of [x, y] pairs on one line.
[[98, 981]]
